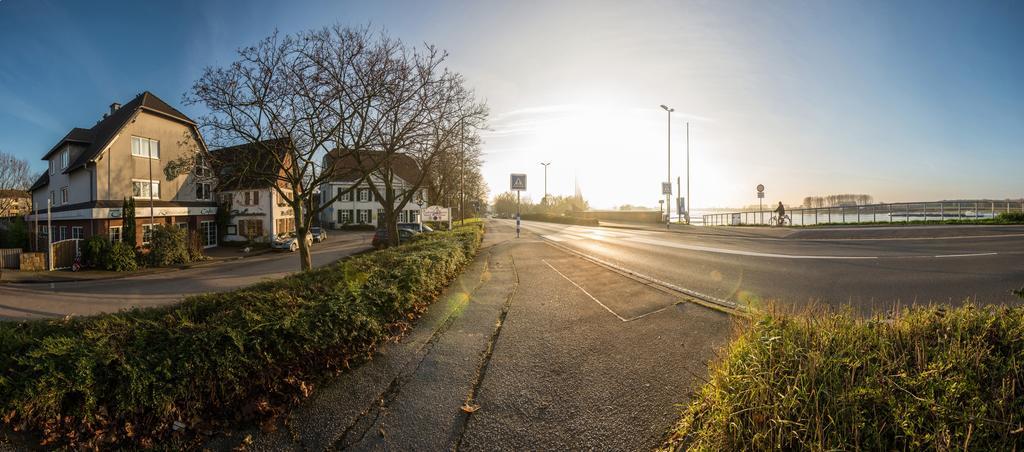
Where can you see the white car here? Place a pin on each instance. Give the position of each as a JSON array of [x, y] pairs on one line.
[[290, 242]]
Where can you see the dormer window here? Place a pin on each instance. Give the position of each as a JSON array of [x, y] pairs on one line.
[[145, 147]]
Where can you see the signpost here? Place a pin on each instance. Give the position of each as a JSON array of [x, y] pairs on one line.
[[666, 188], [438, 214], [760, 201], [517, 183]]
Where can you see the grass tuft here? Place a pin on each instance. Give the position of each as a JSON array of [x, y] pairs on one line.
[[929, 378]]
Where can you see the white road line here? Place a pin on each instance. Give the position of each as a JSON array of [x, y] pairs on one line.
[[737, 252], [966, 255], [606, 308]]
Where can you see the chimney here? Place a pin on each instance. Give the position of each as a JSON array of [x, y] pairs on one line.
[[114, 106]]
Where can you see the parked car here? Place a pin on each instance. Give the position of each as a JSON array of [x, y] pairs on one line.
[[289, 241], [319, 234], [415, 227], [380, 238]]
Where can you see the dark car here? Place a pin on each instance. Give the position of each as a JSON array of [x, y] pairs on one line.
[[415, 227], [380, 238]]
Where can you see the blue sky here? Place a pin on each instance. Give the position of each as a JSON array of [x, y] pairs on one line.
[[902, 100]]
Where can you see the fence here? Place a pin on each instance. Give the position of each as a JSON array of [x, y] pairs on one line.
[[63, 253], [10, 257], [873, 213]]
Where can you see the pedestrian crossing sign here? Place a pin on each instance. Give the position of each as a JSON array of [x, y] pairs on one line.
[[518, 182]]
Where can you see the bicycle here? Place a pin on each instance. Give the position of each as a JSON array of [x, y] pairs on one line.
[[784, 221], [76, 265]]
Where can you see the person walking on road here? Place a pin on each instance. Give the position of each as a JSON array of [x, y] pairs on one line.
[[780, 214]]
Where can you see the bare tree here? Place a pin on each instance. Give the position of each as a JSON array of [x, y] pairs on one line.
[[14, 183], [276, 98]]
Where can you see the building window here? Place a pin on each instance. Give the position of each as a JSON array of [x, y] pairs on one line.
[[115, 234], [144, 147], [364, 216], [143, 188], [147, 233], [65, 159], [232, 229], [44, 232], [64, 195], [364, 195], [203, 192], [183, 225], [285, 225], [344, 195], [53, 198], [250, 229], [344, 216], [77, 232], [281, 202], [256, 198], [63, 233]]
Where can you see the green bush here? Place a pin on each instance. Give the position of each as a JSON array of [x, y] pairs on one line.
[[123, 379], [95, 251], [1011, 217], [168, 245], [120, 258], [562, 219], [931, 378]]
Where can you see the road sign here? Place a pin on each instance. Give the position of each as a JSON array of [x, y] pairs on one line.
[[680, 204], [760, 190], [518, 182], [435, 213], [666, 188]]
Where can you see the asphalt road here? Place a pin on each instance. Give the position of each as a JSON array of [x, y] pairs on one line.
[[18, 301], [870, 270]]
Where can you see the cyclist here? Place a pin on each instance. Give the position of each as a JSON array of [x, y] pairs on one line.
[[780, 214]]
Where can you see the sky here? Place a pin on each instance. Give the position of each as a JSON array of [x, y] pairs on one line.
[[905, 101]]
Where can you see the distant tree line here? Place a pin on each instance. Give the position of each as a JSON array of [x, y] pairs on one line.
[[505, 205], [837, 200]]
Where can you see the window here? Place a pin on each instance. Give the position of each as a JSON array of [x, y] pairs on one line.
[[183, 225], [346, 196], [65, 159], [202, 169], [143, 188], [255, 198], [344, 216], [285, 225], [53, 167], [63, 233], [147, 233], [53, 198], [248, 198], [64, 195], [115, 234], [250, 228], [144, 147], [364, 195], [203, 191], [43, 232], [77, 232], [364, 216], [281, 202], [232, 229]]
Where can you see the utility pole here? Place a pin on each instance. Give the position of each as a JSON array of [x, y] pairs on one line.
[[49, 236], [668, 196], [545, 199], [689, 201], [151, 222], [679, 208]]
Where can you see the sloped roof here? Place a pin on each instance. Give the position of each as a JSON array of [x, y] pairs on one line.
[[97, 137], [346, 166], [40, 182], [249, 166]]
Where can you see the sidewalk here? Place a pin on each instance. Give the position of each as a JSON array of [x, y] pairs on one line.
[[518, 354]]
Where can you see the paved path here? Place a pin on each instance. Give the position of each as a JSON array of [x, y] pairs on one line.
[[551, 351], [19, 301]]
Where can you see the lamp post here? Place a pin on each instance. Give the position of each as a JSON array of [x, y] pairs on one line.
[[544, 200], [668, 196]]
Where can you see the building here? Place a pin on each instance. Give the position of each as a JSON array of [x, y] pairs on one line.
[[92, 171], [14, 203], [246, 175], [360, 206]]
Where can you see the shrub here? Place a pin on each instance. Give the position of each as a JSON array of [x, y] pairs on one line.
[[195, 247], [120, 258], [168, 245], [930, 378], [1011, 217], [94, 382], [95, 251]]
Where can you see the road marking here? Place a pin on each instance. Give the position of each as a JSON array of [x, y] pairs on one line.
[[606, 308], [966, 255], [711, 249]]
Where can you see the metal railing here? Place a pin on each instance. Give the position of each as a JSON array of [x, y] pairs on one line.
[[904, 212]]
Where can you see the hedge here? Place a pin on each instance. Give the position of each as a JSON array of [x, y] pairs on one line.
[[124, 379], [562, 219], [931, 378]]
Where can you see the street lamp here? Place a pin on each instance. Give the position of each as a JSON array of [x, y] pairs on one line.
[[668, 196], [545, 199]]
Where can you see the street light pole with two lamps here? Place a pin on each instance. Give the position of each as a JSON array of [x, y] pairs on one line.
[[668, 196], [544, 200]]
